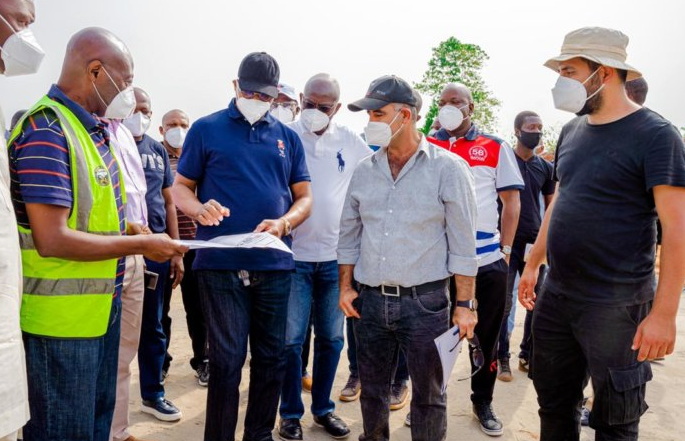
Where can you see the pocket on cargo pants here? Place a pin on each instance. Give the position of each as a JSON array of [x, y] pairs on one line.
[[623, 398]]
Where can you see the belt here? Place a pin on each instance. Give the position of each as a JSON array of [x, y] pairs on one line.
[[396, 290]]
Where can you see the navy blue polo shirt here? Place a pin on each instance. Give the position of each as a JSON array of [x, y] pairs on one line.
[[158, 176], [248, 169]]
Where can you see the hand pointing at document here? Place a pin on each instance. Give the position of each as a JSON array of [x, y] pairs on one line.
[[211, 213]]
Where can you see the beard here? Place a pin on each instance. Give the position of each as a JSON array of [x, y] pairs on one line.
[[593, 104]]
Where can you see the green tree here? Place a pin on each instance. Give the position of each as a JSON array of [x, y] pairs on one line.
[[457, 62]]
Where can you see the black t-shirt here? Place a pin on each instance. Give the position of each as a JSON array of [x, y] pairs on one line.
[[602, 234], [538, 176]]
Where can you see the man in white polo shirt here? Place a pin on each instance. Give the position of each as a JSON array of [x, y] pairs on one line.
[[332, 152]]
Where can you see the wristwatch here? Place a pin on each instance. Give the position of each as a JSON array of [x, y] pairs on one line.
[[506, 249], [470, 304], [288, 228]]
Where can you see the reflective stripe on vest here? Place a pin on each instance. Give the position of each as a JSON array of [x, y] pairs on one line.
[[64, 298]]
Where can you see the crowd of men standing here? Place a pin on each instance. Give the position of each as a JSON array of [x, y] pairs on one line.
[[403, 234]]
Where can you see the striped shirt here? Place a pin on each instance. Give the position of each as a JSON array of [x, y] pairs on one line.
[[40, 168], [186, 226]]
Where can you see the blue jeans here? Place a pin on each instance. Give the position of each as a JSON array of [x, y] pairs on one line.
[[314, 292], [409, 323], [72, 385], [152, 347], [235, 312]]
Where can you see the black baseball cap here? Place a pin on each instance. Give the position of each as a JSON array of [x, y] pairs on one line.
[[259, 72], [383, 91]]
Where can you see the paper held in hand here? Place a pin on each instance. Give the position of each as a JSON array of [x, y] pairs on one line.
[[247, 240], [449, 347]]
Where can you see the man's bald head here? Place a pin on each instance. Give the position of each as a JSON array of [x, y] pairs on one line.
[[18, 15], [175, 118], [459, 89], [97, 66], [143, 101], [324, 85]]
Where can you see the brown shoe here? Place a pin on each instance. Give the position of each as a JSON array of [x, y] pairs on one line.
[[504, 371], [133, 438], [352, 390], [307, 382]]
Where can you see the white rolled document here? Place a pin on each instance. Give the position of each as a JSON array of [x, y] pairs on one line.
[[247, 240]]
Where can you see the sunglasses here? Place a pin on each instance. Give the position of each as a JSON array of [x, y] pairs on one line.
[[325, 108], [258, 95], [476, 352], [292, 105]]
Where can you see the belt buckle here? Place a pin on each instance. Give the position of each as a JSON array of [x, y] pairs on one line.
[[390, 294]]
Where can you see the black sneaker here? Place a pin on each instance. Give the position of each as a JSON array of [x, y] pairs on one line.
[[202, 374], [290, 429], [523, 365], [407, 420], [504, 371], [585, 416], [489, 423], [162, 409], [332, 423]]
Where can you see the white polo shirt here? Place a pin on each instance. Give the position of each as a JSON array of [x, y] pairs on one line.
[[331, 160]]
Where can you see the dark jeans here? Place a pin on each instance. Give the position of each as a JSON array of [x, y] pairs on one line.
[[314, 294], [306, 346], [401, 372], [234, 313], [197, 328], [408, 323], [166, 321], [516, 266], [572, 339], [72, 385], [152, 347], [491, 291]]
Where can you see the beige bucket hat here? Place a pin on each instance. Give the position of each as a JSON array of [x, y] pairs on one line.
[[601, 45]]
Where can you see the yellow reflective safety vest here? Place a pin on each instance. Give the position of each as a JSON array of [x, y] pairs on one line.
[[64, 298]]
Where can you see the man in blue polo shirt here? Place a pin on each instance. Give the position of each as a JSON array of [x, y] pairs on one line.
[[243, 159]]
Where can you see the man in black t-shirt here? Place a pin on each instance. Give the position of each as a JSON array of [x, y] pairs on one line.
[[618, 166], [537, 177]]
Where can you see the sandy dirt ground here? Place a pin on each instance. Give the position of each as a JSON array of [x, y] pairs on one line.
[[514, 402]]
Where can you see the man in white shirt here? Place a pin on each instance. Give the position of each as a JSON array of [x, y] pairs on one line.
[[20, 54], [332, 152]]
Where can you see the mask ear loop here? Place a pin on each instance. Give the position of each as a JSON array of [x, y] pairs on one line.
[[588, 79], [13, 32], [393, 120]]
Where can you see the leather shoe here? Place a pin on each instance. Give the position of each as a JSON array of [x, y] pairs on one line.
[[290, 429], [332, 424]]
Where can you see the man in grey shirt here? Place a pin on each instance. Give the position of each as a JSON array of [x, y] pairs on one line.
[[408, 224]]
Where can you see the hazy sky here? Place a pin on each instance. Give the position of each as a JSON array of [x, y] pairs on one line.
[[187, 52]]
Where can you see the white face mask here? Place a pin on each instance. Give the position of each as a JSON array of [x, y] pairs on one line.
[[123, 104], [175, 137], [253, 110], [21, 53], [283, 114], [137, 124], [314, 120], [570, 95], [379, 133], [451, 117]]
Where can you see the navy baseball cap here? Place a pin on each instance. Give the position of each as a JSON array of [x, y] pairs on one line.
[[383, 91], [259, 72]]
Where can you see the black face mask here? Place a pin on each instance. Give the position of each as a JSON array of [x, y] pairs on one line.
[[530, 139]]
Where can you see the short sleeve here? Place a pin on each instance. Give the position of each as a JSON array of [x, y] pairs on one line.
[[508, 175], [664, 163], [549, 186], [40, 157], [192, 162], [298, 169]]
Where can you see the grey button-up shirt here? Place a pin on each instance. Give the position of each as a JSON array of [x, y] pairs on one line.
[[414, 230]]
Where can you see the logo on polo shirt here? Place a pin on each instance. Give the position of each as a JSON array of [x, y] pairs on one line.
[[341, 161], [281, 148], [478, 153], [101, 176]]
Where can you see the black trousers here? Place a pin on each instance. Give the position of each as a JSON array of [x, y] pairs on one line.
[[491, 291], [197, 328], [572, 339]]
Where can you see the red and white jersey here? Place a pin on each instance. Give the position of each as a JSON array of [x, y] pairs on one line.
[[495, 169]]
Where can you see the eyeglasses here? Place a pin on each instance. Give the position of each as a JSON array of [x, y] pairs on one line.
[[325, 108], [252, 95], [476, 353], [292, 105]]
